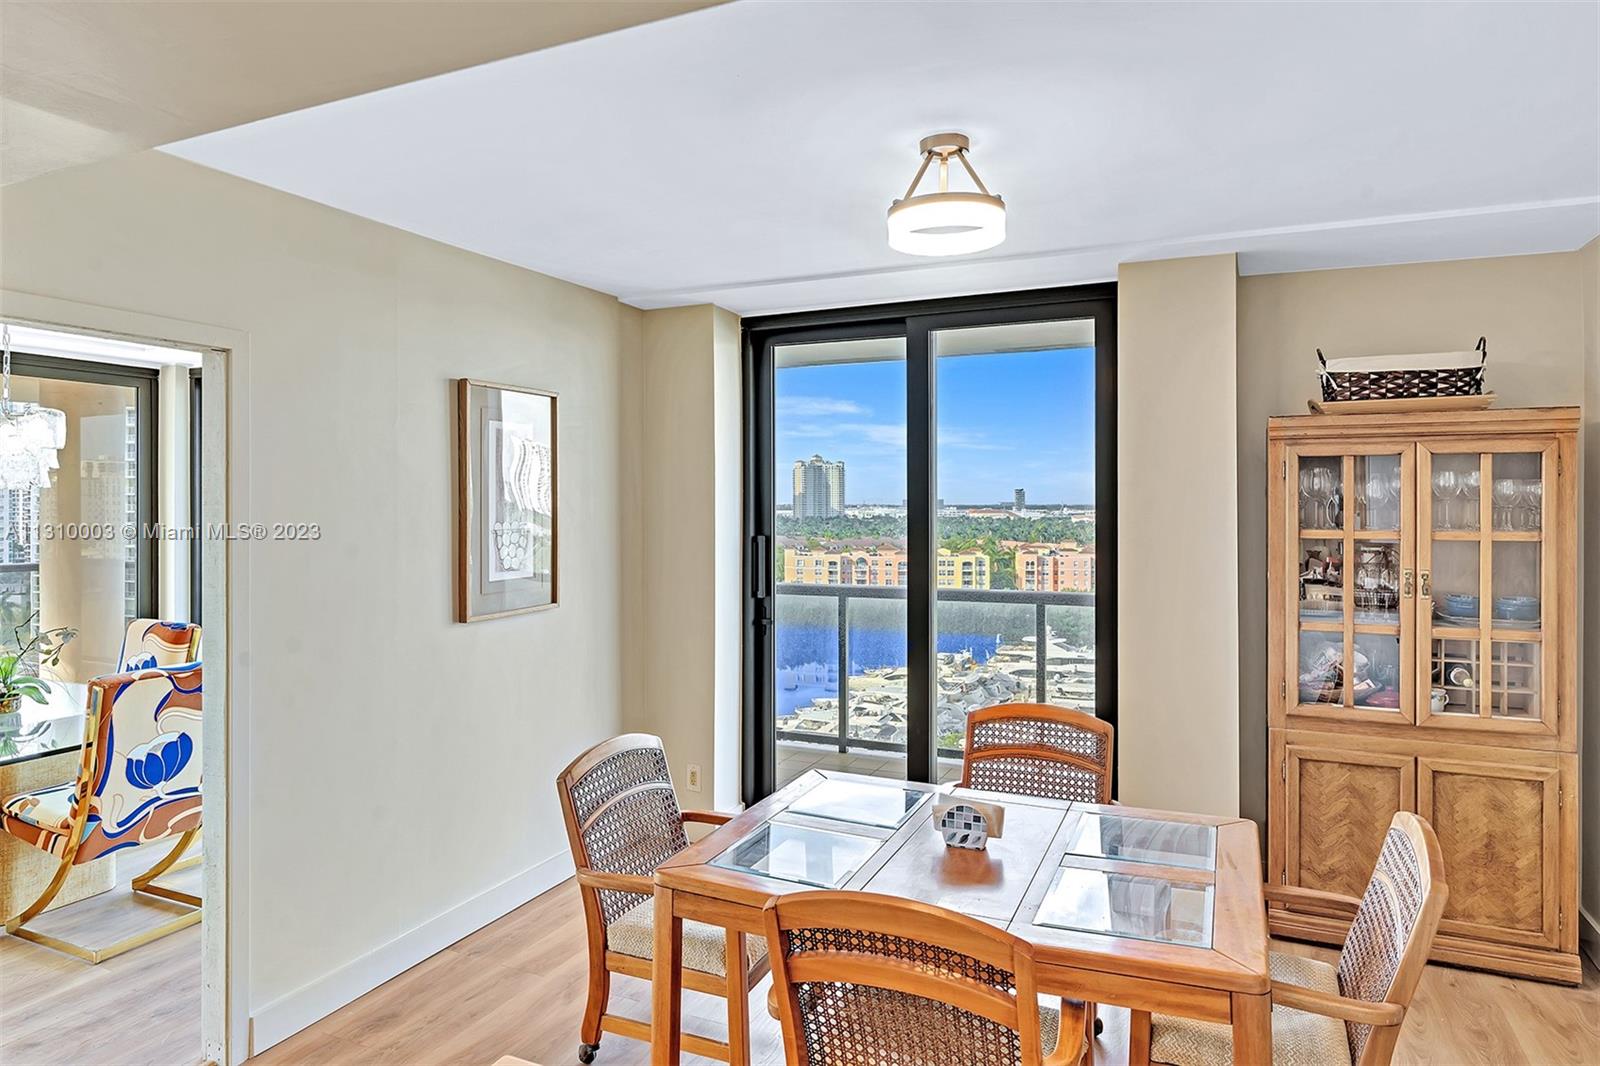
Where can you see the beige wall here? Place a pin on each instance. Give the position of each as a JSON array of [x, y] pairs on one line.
[[1589, 274], [1177, 532], [1529, 307], [687, 691], [401, 764]]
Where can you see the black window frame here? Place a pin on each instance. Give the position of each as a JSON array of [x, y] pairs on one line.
[[196, 513], [145, 382], [916, 321]]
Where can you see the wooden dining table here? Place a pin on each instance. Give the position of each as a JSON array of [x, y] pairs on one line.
[[1152, 910]]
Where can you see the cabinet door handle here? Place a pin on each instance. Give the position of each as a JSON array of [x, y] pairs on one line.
[[1427, 586], [1406, 581]]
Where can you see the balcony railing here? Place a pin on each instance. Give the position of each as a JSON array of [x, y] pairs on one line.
[[1039, 602]]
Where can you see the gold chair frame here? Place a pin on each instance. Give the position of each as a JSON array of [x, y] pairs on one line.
[[142, 885]]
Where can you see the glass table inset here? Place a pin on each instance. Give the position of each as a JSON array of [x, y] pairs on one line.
[[1093, 900], [885, 806], [803, 854], [1116, 836]]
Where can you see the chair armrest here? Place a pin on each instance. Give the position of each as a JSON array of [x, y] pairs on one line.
[[613, 882], [1330, 903], [707, 817], [1331, 1006]]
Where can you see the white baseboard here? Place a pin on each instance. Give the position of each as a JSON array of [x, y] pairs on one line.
[[1589, 936], [312, 1002]]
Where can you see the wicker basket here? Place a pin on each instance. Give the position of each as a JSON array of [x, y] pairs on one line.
[[1397, 377]]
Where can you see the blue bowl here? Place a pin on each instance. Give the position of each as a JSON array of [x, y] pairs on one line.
[[1460, 605], [1517, 608]]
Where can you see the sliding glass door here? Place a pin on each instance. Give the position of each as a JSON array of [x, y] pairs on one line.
[[930, 524]]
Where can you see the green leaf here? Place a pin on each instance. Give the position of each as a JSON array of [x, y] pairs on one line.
[[34, 695]]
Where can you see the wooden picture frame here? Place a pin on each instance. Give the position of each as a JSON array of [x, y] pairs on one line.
[[507, 500]]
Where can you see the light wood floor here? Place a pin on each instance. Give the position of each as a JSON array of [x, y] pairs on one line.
[[138, 1009], [516, 987]]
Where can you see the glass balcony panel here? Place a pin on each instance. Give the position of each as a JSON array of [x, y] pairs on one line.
[[876, 685], [1455, 491], [1377, 487], [986, 656], [807, 660], [1069, 657], [1518, 492]]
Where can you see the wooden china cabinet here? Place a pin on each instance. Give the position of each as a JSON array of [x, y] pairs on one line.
[[1422, 657]]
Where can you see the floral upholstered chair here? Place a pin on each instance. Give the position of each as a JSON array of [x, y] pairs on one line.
[[138, 781], [152, 642]]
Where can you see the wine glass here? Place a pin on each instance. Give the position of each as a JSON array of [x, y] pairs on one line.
[[1326, 489], [1396, 483], [1470, 486], [1372, 494], [1533, 502], [1504, 495], [1308, 506], [1445, 484]]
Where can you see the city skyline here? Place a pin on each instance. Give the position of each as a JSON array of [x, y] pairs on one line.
[[1005, 421]]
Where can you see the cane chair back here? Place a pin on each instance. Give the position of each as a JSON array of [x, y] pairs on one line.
[[623, 814], [864, 979], [1038, 750], [1393, 931], [152, 643]]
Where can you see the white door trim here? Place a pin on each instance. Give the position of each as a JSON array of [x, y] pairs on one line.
[[224, 459]]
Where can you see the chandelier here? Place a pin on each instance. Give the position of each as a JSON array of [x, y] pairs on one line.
[[29, 434], [945, 222]]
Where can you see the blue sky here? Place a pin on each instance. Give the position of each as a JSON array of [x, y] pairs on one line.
[[1017, 420]]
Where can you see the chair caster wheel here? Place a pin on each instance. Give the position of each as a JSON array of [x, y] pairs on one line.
[[586, 1053], [1099, 1026]]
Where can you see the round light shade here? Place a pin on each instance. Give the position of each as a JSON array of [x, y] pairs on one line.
[[947, 223]]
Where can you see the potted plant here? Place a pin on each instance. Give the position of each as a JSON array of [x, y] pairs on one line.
[[18, 676]]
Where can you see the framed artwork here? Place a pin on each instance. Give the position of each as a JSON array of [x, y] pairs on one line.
[[506, 501]]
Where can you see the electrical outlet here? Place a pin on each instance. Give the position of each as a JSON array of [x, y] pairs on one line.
[[694, 778]]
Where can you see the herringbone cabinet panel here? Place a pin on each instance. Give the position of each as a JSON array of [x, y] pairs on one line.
[[1497, 831], [1340, 804]]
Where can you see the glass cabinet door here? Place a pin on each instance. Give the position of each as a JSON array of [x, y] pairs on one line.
[[1350, 539], [1484, 581]]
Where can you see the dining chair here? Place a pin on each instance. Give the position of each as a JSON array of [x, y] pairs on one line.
[[1321, 1013], [1036, 749], [862, 979], [623, 821], [150, 642], [138, 782]]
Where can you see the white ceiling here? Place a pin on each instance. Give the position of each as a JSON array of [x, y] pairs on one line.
[[746, 154], [82, 80]]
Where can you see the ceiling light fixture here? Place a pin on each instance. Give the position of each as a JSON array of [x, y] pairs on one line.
[[945, 222]]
